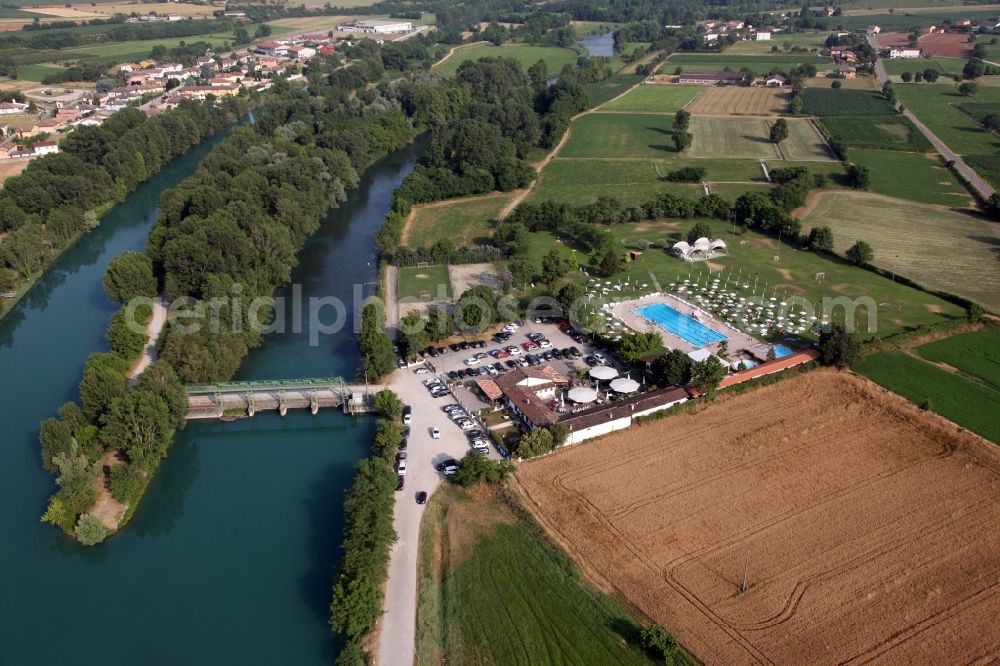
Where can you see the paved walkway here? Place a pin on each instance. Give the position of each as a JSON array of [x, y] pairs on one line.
[[391, 305], [974, 179]]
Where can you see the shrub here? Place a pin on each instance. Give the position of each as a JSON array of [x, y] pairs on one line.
[[90, 531]]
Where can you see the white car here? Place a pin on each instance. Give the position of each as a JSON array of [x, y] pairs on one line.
[[514, 350], [435, 433], [472, 361], [544, 344], [421, 371], [450, 469], [468, 424], [510, 327], [482, 447], [401, 467], [600, 357]]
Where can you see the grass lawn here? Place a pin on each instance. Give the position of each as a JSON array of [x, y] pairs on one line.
[[493, 590], [976, 354], [466, 222], [804, 142], [885, 132], [122, 51], [967, 403], [555, 57], [807, 40], [943, 66], [620, 135], [759, 64], [902, 20], [600, 92], [584, 28], [987, 166], [36, 72], [662, 98], [899, 307], [934, 106], [427, 283], [721, 137], [844, 102], [914, 176], [940, 249]]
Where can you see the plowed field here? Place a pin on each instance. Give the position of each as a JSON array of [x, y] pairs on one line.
[[865, 527]]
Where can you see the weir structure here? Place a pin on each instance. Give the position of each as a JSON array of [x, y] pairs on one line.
[[246, 398]]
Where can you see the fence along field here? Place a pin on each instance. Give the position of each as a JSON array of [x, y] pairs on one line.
[[863, 526]]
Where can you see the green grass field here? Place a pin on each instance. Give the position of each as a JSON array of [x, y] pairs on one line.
[[12, 13], [600, 92], [982, 109], [493, 591], [914, 176], [804, 142], [721, 137], [934, 106], [901, 20], [987, 166], [976, 354], [899, 307], [427, 283], [36, 72], [943, 66], [884, 132], [620, 135], [759, 64], [967, 403], [665, 99], [553, 56], [844, 102], [807, 40], [937, 248], [465, 222]]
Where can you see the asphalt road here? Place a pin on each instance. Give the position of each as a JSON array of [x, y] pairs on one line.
[[975, 180]]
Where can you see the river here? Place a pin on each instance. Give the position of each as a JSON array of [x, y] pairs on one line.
[[229, 558], [599, 44]]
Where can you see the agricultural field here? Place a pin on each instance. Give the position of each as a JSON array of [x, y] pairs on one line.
[[759, 64], [935, 106], [737, 100], [86, 11], [425, 283], [844, 102], [807, 275], [817, 516], [976, 354], [492, 590], [804, 142], [987, 166], [864, 83], [902, 20], [584, 28], [10, 168], [937, 248], [463, 221], [36, 72], [601, 91], [721, 137], [883, 132], [632, 182], [620, 135], [914, 176], [943, 66], [968, 403], [654, 98], [805, 40], [555, 57]]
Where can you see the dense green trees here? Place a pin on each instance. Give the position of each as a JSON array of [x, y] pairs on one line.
[[839, 346], [706, 375], [860, 253], [129, 275], [821, 239], [377, 357], [412, 337], [673, 368], [475, 468], [779, 130]]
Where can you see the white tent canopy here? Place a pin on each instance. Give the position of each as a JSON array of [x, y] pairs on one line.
[[582, 394], [603, 372], [703, 247], [625, 385]]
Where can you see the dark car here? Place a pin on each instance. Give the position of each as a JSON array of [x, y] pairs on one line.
[[463, 345], [431, 352], [557, 353], [446, 463], [422, 497], [402, 444], [548, 356], [406, 431], [455, 346], [442, 350], [399, 484], [470, 372], [498, 366], [511, 363]]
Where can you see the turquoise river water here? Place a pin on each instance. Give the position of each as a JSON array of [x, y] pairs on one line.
[[229, 558]]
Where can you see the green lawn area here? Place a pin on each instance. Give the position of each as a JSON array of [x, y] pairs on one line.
[[12, 13], [940, 249], [914, 176], [722, 137], [880, 131], [633, 182], [122, 51], [976, 354], [493, 591], [427, 283], [584, 28], [844, 102], [600, 92], [967, 403], [987, 166], [665, 99], [943, 66], [555, 57], [620, 135], [934, 106], [759, 64], [466, 222], [807, 40], [899, 307], [901, 20], [36, 72]]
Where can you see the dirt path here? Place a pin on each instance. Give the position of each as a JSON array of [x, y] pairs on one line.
[[153, 330], [391, 306], [451, 52], [107, 508]]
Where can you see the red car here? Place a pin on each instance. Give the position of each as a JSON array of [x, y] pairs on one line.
[[530, 345], [501, 354]]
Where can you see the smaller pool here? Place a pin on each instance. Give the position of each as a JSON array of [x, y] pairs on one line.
[[683, 326], [780, 351]]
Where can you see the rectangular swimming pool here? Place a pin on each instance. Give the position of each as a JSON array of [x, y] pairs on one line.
[[683, 326]]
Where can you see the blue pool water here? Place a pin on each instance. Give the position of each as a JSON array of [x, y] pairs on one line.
[[780, 351], [683, 326]]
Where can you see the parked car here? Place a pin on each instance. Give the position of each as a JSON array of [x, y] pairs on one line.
[[472, 360], [401, 363], [450, 462], [399, 482], [514, 350], [535, 337], [422, 497], [529, 345], [601, 358], [402, 444], [470, 372], [435, 433], [430, 351], [498, 366], [544, 343], [401, 467], [407, 414], [406, 431], [421, 371], [511, 363], [482, 447], [454, 346], [450, 469]]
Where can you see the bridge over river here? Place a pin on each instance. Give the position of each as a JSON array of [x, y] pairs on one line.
[[212, 401]]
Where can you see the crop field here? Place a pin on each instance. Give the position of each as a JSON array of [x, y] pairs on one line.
[[620, 135], [969, 404], [818, 520], [982, 109], [492, 590], [976, 354], [601, 91], [737, 100], [884, 132], [949, 45], [659, 98], [716, 136], [842, 102], [426, 283], [987, 166], [937, 248], [463, 221], [759, 64], [555, 57], [84, 11], [935, 106], [915, 176], [807, 40], [580, 181], [910, 19], [804, 142], [943, 66], [36, 72]]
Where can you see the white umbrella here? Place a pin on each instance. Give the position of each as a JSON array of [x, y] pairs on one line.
[[603, 372], [625, 385], [582, 394]]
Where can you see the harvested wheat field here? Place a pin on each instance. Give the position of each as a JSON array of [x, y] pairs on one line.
[[867, 528], [739, 101], [947, 44]]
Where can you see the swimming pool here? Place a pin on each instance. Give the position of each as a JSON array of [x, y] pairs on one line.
[[780, 351], [683, 326]]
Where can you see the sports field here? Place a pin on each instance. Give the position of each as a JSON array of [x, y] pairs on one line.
[[555, 57], [935, 106], [493, 591], [935, 247], [620, 135], [877, 131], [463, 221], [426, 283], [658, 98], [919, 177], [738, 100], [817, 520], [974, 354]]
